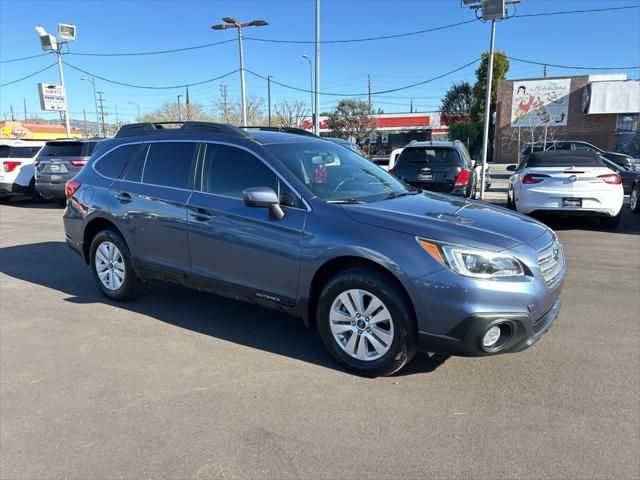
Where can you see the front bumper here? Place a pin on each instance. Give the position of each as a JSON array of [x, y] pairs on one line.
[[520, 331]]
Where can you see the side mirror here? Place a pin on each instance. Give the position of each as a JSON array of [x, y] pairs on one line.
[[511, 168], [263, 197]]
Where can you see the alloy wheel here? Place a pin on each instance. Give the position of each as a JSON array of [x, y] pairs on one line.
[[361, 324], [633, 201], [109, 266]]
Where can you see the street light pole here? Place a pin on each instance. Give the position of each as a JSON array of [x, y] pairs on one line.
[[487, 111], [310, 87], [95, 101], [66, 104], [179, 109], [231, 22]]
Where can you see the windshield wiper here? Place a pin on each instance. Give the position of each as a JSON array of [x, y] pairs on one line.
[[346, 201], [402, 194]]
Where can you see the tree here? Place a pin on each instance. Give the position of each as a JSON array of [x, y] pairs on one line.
[[171, 111], [469, 133], [352, 118], [290, 114], [230, 111], [457, 103], [500, 69]]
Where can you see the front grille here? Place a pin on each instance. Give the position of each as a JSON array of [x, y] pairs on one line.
[[551, 263]]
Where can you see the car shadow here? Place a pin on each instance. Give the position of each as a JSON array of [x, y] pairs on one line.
[[53, 265], [629, 223]]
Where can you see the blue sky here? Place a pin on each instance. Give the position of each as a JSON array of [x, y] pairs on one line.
[[594, 39]]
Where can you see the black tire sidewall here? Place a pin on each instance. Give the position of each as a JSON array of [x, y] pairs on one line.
[[637, 208], [131, 285], [404, 344]]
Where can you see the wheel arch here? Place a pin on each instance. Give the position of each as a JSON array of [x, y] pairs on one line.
[[95, 226], [336, 265]]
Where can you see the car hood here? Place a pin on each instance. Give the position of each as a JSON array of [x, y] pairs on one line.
[[449, 219]]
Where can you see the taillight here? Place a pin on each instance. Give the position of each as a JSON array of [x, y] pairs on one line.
[[611, 178], [531, 178], [78, 163], [71, 187], [463, 178], [10, 165]]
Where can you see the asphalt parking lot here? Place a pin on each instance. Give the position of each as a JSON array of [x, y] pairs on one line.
[[181, 384]]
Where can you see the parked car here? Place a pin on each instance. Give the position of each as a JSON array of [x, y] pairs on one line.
[[568, 183], [16, 174], [59, 161], [347, 144], [393, 157], [621, 159], [634, 198], [438, 167], [313, 229], [628, 175]]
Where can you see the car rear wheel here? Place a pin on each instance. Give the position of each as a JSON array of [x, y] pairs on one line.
[[634, 200], [366, 325], [112, 268], [611, 222]]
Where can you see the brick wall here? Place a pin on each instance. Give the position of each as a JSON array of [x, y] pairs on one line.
[[596, 129]]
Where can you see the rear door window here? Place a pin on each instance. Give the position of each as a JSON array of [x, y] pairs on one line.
[[62, 149], [432, 157], [170, 164]]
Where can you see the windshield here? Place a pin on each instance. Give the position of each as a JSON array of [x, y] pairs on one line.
[[8, 151], [336, 174]]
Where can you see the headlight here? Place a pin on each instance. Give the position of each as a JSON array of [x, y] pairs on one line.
[[473, 262]]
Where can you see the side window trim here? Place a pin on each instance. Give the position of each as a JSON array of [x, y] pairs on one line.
[[251, 152]]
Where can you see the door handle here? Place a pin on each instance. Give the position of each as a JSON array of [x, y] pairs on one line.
[[124, 197], [200, 214]]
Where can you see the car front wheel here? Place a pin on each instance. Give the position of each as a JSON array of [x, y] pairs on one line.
[[366, 325], [112, 268]]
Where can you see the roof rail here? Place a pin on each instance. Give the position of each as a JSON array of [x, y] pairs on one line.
[[156, 128], [293, 130]]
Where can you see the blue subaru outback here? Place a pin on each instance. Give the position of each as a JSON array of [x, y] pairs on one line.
[[306, 226]]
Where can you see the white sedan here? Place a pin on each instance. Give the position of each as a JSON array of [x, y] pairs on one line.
[[567, 183]]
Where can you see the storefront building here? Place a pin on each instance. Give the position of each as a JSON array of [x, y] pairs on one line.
[[35, 131], [395, 130], [600, 109]]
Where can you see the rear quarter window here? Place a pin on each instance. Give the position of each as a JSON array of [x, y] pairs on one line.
[[113, 163]]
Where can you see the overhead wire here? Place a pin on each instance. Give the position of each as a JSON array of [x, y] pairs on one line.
[[27, 76]]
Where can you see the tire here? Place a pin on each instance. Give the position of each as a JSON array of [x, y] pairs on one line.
[[634, 200], [34, 193], [510, 204], [119, 281], [389, 345], [611, 222]]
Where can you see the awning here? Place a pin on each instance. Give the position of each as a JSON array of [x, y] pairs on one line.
[[611, 97]]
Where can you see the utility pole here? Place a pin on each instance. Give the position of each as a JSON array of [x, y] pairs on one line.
[[369, 86], [269, 97], [13, 118], [545, 71], [487, 110], [179, 109], [101, 102], [117, 118], [86, 131], [225, 103], [186, 104], [24, 101], [316, 123]]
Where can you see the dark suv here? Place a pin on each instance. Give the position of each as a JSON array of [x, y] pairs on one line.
[[306, 226], [59, 161], [439, 167], [621, 159]]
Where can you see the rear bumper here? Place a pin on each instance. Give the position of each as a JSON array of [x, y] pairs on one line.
[[520, 331], [51, 190], [13, 188], [596, 203], [75, 246]]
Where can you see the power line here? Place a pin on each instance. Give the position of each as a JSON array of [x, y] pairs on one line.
[[150, 87], [28, 76], [24, 58], [569, 12], [158, 52], [380, 92], [571, 67]]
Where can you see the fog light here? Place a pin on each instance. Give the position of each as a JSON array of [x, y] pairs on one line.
[[491, 337]]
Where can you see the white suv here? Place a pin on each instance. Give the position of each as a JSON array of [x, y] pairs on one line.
[[17, 167]]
